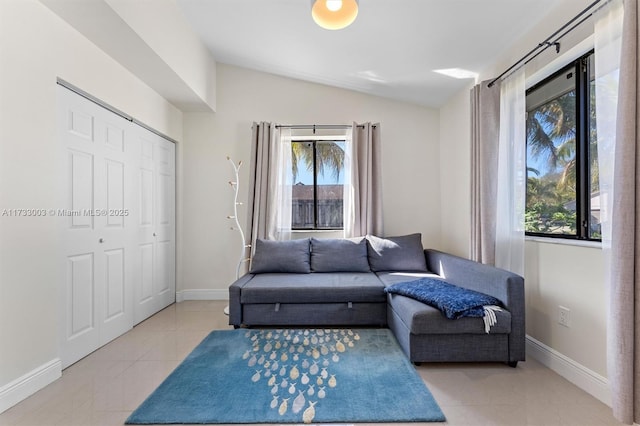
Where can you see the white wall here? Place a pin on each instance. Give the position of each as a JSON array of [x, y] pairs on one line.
[[455, 175], [571, 276], [411, 162], [36, 47]]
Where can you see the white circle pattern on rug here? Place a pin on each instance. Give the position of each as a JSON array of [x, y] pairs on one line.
[[297, 364]]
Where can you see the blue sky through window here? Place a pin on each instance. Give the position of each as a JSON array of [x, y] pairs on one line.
[[305, 175]]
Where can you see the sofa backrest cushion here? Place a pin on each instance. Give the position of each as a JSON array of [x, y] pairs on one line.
[[403, 253], [281, 256], [339, 255]]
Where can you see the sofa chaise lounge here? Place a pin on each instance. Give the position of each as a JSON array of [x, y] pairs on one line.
[[341, 282]]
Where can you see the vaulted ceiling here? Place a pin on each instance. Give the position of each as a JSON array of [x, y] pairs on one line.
[[391, 50]]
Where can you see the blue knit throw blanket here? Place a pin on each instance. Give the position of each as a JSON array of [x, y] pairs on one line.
[[453, 301]]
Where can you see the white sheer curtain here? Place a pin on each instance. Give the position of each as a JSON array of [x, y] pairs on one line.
[[280, 185], [616, 119], [607, 39], [511, 175], [348, 194]]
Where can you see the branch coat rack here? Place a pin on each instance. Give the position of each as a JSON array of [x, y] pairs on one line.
[[244, 246]]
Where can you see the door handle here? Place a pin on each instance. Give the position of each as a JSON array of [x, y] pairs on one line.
[[101, 240]]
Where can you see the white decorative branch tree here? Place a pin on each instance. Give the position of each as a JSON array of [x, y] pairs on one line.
[[243, 246]]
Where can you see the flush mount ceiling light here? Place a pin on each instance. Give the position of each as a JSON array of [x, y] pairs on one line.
[[334, 14]]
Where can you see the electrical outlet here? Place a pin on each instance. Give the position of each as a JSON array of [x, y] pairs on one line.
[[564, 316]]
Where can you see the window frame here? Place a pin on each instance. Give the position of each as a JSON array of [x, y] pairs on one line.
[[581, 67], [314, 141]]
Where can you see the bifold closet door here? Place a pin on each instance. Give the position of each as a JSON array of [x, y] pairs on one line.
[[155, 278], [117, 217], [96, 217]]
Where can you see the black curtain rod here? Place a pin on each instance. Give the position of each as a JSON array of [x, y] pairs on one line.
[[547, 42], [317, 126], [564, 34]]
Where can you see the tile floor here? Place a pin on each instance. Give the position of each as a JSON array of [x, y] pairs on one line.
[[103, 388]]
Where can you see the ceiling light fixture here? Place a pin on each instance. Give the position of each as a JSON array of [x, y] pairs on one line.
[[334, 14]]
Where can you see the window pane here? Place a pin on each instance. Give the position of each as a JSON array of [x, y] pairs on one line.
[[330, 178], [302, 195], [551, 157], [317, 203]]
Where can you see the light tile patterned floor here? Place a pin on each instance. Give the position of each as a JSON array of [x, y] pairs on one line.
[[103, 388]]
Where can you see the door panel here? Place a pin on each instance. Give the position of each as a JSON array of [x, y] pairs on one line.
[[156, 227], [165, 222], [115, 190], [164, 252], [146, 198], [81, 184], [115, 281], [114, 137], [80, 335], [146, 268], [95, 244], [80, 292], [80, 123]]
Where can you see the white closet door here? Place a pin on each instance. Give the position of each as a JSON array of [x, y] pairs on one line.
[[118, 222], [97, 305], [155, 277], [116, 198], [165, 223]]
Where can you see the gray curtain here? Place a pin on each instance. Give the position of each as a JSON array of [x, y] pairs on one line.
[[624, 309], [485, 131], [366, 182], [257, 207]]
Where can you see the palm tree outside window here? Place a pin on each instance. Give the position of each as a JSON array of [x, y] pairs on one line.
[[563, 197], [317, 194]]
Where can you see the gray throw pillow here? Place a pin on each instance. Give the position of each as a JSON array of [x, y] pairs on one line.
[[281, 256], [404, 253], [339, 255]]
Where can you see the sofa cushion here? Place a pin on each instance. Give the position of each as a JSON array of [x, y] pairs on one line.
[[331, 287], [404, 253], [281, 256], [339, 255], [389, 278], [424, 319]]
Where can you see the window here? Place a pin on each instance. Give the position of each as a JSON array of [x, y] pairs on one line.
[[318, 184], [562, 172]]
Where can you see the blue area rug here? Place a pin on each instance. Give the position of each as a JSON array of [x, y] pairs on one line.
[[292, 376]]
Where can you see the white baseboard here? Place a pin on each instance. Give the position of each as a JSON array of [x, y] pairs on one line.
[[201, 294], [25, 386], [586, 379]]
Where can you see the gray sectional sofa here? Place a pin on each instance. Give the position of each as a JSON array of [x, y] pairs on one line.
[[341, 282]]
